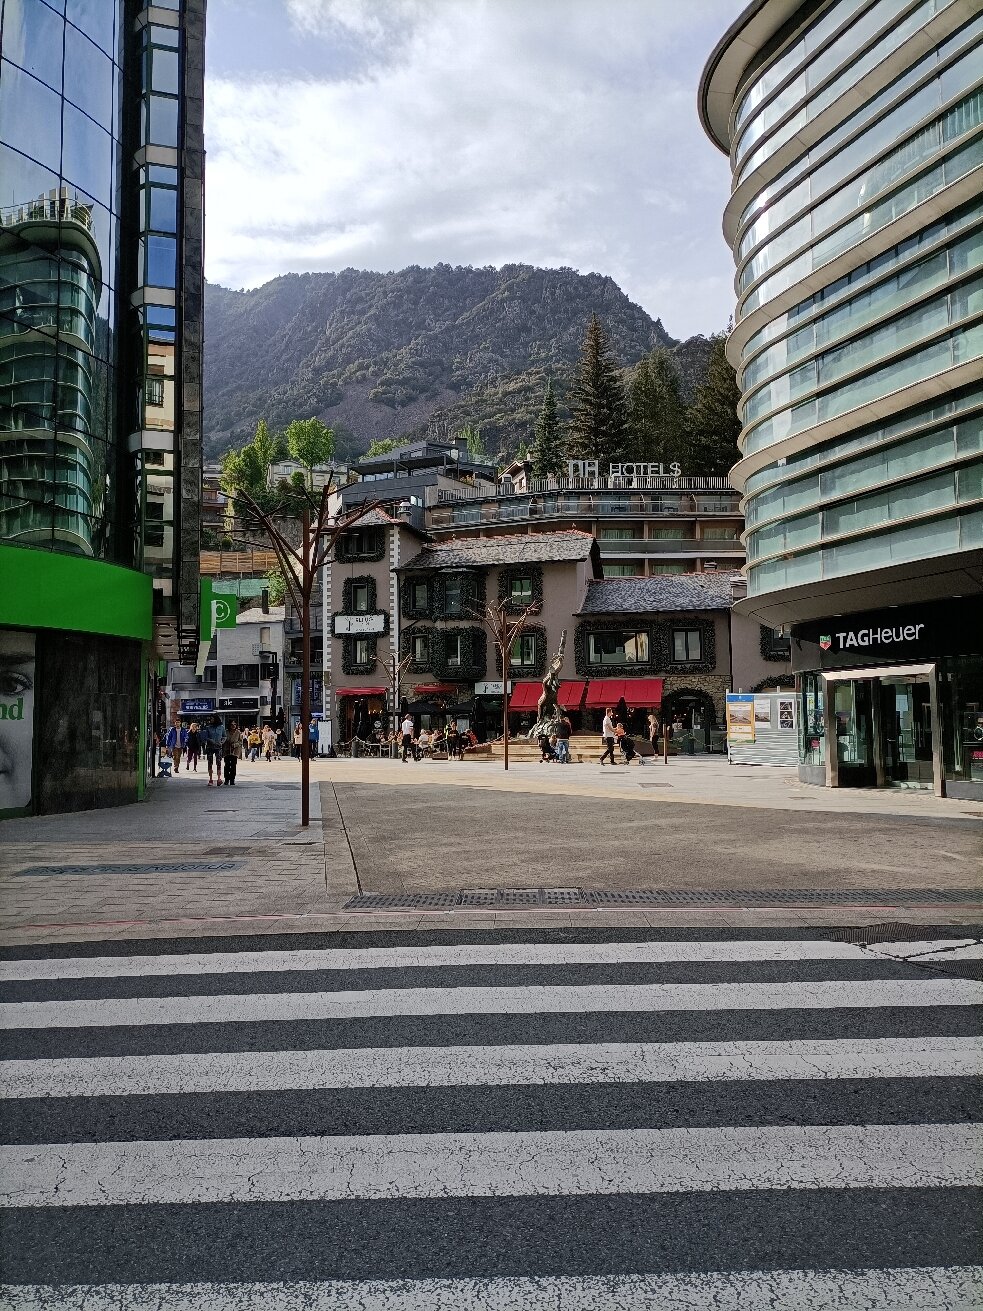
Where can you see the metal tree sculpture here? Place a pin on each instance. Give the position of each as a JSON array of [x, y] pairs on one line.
[[300, 564], [505, 628]]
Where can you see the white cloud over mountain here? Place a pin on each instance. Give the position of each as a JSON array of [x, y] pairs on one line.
[[553, 132]]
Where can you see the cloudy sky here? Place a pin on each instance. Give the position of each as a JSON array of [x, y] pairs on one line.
[[381, 133]]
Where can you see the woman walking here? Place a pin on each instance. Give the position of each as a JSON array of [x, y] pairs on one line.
[[193, 748], [231, 751], [269, 742]]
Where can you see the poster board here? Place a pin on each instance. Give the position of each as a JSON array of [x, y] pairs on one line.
[[18, 659], [762, 729]]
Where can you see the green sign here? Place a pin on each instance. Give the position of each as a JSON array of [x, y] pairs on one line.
[[45, 589], [224, 611]]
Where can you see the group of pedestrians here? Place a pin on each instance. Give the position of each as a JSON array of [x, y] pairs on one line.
[[450, 741], [555, 746], [222, 747], [614, 732]]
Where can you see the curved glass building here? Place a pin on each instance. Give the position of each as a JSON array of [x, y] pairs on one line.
[[855, 134], [101, 171]]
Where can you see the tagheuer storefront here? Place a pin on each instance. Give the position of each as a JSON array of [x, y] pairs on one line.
[[900, 693]]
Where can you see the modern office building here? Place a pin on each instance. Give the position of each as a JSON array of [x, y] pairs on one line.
[[101, 207], [855, 133]]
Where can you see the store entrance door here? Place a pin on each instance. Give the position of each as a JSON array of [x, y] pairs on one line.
[[906, 733], [883, 727]]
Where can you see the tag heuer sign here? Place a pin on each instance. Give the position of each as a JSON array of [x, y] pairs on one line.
[[359, 625], [825, 642]]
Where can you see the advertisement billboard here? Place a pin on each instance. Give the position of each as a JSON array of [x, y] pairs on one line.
[[17, 682]]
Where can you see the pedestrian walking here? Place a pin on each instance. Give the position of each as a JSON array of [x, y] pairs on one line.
[[269, 742], [193, 748], [280, 745], [255, 741], [653, 728], [407, 728], [171, 740], [564, 729], [608, 736], [214, 737], [179, 745], [312, 738], [232, 752], [298, 740]]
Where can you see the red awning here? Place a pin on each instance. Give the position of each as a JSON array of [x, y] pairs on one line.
[[360, 691], [525, 696], [638, 692], [570, 695], [434, 689]]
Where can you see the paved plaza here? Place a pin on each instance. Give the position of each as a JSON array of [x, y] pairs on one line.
[[199, 860]]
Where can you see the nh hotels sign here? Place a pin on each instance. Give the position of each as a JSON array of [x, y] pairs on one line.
[[591, 469]]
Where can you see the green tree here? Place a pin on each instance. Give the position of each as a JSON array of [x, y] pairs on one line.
[[598, 428], [475, 443], [547, 451], [276, 586], [657, 412], [383, 445], [712, 423], [269, 446], [310, 443]]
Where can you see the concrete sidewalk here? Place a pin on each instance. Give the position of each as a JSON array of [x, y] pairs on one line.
[[193, 860]]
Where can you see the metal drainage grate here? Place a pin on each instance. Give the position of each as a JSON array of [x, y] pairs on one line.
[[403, 901], [533, 898], [173, 867]]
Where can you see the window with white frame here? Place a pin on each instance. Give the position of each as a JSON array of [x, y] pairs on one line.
[[360, 598], [523, 654], [363, 650], [453, 649], [421, 649], [619, 648]]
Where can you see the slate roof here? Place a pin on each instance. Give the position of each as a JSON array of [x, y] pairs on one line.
[[518, 548], [663, 592], [380, 517]]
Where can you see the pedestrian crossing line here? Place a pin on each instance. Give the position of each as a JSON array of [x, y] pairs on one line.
[[924, 1288], [595, 1162], [528, 1000], [508, 1066], [401, 958]]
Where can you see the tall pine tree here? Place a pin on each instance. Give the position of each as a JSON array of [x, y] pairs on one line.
[[598, 428], [712, 421], [657, 411], [548, 460]]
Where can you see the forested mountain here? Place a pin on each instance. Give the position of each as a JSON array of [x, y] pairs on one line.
[[380, 355]]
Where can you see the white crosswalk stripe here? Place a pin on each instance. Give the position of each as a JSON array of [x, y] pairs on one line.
[[413, 1138]]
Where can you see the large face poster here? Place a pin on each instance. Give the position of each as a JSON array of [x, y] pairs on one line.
[[17, 659]]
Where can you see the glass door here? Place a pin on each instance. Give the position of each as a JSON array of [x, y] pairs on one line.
[[906, 733], [853, 720]]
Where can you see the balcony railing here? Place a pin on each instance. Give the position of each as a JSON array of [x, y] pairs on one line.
[[571, 505], [48, 209], [543, 486]]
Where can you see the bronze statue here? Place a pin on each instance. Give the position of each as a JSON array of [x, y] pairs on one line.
[[547, 714]]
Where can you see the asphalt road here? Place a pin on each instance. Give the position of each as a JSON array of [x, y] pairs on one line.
[[456, 1120], [446, 837]]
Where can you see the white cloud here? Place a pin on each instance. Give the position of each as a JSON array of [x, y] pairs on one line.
[[558, 132]]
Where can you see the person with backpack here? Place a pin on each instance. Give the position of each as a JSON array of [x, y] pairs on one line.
[[563, 731], [214, 739], [232, 752]]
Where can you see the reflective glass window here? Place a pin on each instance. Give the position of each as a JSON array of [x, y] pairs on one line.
[[30, 114], [162, 214], [160, 121], [161, 261], [97, 19], [32, 37], [164, 36], [87, 155], [88, 77], [970, 481], [164, 71]]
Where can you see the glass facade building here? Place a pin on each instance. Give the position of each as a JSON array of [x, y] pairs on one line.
[[855, 134], [101, 205]]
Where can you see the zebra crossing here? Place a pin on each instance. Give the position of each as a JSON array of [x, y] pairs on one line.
[[445, 1121]]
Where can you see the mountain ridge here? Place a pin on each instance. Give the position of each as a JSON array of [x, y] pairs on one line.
[[381, 355]]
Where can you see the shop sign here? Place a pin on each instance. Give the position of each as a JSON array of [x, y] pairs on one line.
[[491, 689], [238, 703], [359, 625], [202, 705], [591, 469], [858, 638], [740, 717]]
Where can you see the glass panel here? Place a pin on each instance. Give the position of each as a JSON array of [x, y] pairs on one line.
[[812, 746], [88, 77], [87, 155], [30, 114], [162, 216], [96, 18], [961, 691], [165, 71], [161, 261], [161, 114], [32, 38]]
